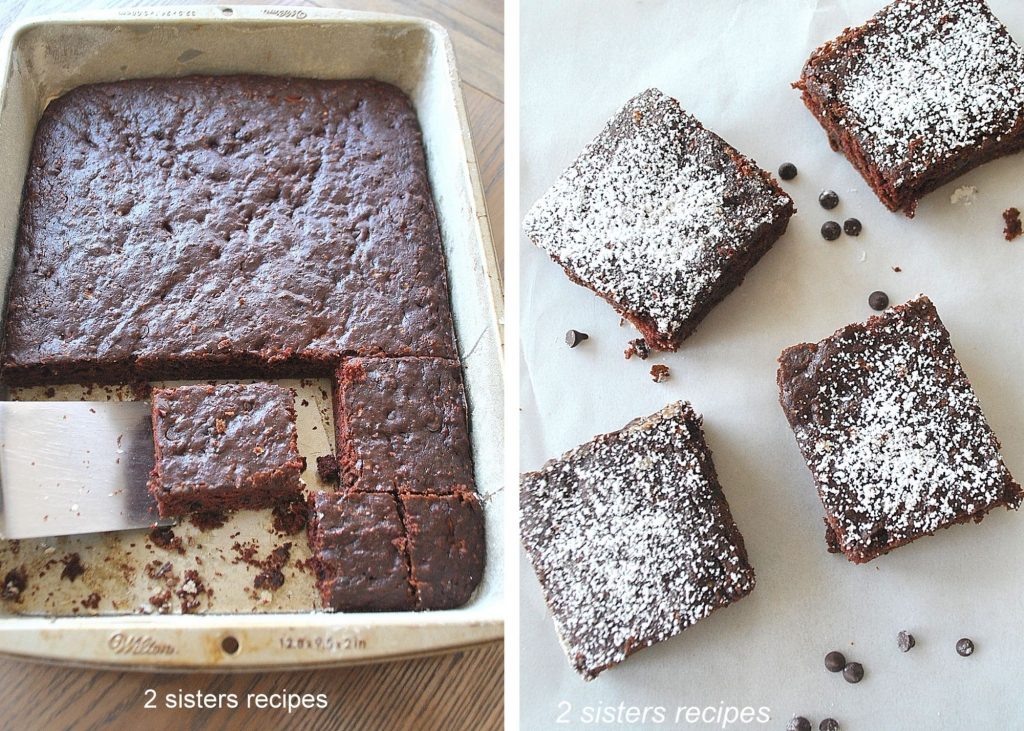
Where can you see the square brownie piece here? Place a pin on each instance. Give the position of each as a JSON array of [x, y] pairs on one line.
[[224, 448], [920, 94], [660, 217], [359, 552], [446, 547], [401, 426], [892, 432], [632, 538]]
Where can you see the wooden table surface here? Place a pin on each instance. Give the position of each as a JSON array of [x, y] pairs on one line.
[[463, 690]]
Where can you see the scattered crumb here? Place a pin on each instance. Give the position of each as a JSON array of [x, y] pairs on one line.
[[271, 577], [659, 373], [164, 538], [639, 348], [327, 468], [208, 520], [160, 599], [1013, 226], [190, 591], [964, 194], [50, 392], [156, 570], [897, 269], [73, 567], [15, 583], [92, 601]]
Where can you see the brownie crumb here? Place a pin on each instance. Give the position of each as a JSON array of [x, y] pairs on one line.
[[1013, 226], [208, 519], [15, 583], [92, 601], [164, 538], [291, 517], [160, 599], [327, 468], [190, 591], [639, 348], [50, 392], [659, 373], [897, 269], [156, 570], [73, 567], [271, 577]]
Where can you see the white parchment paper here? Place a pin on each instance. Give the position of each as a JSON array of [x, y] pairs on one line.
[[730, 64]]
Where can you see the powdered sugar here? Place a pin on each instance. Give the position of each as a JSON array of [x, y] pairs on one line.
[[632, 538], [925, 80], [653, 212], [893, 431]]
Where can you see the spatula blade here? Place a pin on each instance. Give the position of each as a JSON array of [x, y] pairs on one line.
[[75, 467]]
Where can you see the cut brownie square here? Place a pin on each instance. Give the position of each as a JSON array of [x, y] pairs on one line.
[[446, 547], [359, 552], [660, 217], [401, 426], [892, 432], [224, 448], [923, 92], [632, 538]]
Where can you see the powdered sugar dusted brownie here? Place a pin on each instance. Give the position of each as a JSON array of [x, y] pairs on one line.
[[660, 217], [923, 92], [892, 432], [632, 538]]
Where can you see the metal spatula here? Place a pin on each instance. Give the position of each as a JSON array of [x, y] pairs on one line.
[[75, 467]]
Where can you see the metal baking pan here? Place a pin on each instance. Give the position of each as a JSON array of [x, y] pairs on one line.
[[104, 617]]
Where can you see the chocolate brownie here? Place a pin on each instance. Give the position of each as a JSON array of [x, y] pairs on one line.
[[402, 425], [660, 217], [224, 226], [446, 547], [892, 432], [920, 94], [224, 448], [632, 538], [359, 552]]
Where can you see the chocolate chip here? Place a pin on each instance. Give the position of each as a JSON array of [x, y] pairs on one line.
[[828, 724], [830, 230], [835, 661], [787, 171], [798, 723], [964, 647], [853, 672], [574, 338], [878, 300], [905, 641], [828, 199], [852, 227]]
